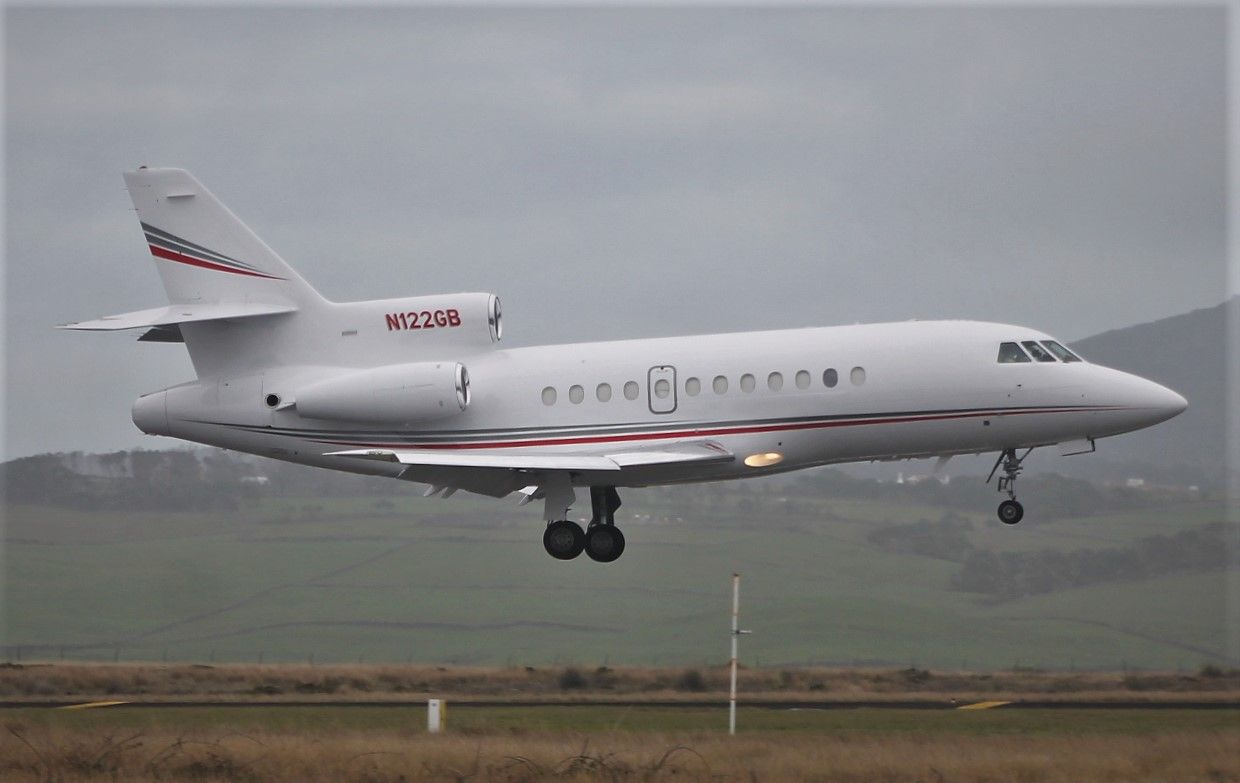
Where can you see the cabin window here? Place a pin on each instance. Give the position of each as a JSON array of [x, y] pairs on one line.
[[1037, 351], [576, 394], [802, 379], [774, 381], [1010, 353], [830, 377], [748, 383], [720, 385], [548, 395], [857, 376], [662, 388], [693, 387], [631, 390], [603, 392], [1063, 353]]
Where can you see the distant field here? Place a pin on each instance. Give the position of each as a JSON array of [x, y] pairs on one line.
[[275, 683], [465, 581], [617, 744]]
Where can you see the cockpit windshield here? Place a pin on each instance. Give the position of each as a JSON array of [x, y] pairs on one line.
[[1062, 353], [1041, 350], [1010, 353], [1037, 351]]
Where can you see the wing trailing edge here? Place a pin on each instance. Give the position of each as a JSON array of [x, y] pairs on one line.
[[488, 460], [174, 315]]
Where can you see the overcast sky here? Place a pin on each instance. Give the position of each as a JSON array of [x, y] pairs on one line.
[[614, 172]]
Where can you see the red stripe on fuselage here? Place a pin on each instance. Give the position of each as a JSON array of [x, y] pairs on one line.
[[697, 433], [184, 259]]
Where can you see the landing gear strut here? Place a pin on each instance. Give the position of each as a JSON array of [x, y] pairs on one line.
[[604, 541], [1010, 510]]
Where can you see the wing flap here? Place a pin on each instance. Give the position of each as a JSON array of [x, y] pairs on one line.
[[692, 452], [699, 452], [482, 459], [178, 314]]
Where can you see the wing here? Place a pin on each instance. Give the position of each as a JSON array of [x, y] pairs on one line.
[[499, 472]]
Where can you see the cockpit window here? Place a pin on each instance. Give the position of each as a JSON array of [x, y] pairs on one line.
[[1063, 353], [1010, 353], [1037, 351]]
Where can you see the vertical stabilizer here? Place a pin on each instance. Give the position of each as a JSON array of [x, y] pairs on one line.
[[204, 253]]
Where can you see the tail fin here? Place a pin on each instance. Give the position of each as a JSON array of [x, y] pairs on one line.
[[204, 253]]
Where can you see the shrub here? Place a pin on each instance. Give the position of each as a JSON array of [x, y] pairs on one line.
[[571, 679], [691, 680]]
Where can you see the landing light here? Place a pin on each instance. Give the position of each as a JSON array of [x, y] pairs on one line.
[[764, 460]]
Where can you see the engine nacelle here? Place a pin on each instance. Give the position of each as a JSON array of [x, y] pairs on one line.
[[392, 394], [440, 321]]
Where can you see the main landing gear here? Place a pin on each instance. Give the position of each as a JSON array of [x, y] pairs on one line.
[[602, 541], [1010, 510]]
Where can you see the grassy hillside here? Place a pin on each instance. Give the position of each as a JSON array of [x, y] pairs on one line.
[[466, 581]]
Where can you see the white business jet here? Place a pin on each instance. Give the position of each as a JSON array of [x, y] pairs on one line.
[[419, 388]]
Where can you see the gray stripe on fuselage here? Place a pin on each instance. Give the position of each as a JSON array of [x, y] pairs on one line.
[[596, 430]]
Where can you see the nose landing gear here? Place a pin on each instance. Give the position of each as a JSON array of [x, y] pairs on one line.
[[1010, 510]]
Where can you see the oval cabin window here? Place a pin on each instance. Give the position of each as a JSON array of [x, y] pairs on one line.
[[748, 383], [720, 385], [830, 378], [802, 379], [630, 390], [693, 387], [603, 392], [576, 394], [548, 395], [857, 376], [774, 381]]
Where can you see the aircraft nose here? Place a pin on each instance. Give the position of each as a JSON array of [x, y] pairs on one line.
[[1161, 402]]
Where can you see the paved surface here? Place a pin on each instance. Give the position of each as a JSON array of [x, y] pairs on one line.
[[944, 704]]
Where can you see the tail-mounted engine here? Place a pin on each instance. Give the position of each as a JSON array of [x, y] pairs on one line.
[[392, 394], [440, 320]]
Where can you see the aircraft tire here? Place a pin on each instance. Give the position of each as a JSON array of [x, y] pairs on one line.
[[564, 540], [604, 543], [1011, 512]]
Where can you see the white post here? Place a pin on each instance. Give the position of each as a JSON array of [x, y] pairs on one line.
[[434, 714], [736, 631]]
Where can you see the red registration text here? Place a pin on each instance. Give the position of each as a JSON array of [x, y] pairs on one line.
[[427, 319]]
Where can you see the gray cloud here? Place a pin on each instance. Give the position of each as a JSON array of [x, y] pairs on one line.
[[615, 172]]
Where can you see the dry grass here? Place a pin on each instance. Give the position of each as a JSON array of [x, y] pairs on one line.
[[379, 682], [61, 754]]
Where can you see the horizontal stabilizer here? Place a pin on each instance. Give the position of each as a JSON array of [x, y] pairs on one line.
[[179, 314]]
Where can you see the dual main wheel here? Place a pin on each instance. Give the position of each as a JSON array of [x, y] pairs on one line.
[[565, 540]]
